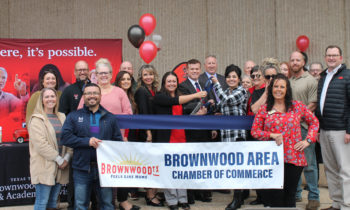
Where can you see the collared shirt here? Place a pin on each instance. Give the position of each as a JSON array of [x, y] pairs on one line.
[[232, 103], [209, 75], [194, 83], [325, 86], [304, 90]]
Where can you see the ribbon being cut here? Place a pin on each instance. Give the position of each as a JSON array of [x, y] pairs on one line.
[[221, 165]]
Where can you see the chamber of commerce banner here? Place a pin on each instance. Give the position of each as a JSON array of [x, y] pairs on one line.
[[24, 59], [221, 165]]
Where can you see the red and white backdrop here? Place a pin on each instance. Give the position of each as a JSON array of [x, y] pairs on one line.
[[25, 58]]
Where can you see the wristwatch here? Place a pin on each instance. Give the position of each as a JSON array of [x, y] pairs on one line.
[[309, 141]]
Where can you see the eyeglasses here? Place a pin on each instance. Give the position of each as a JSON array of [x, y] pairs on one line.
[[253, 76], [103, 73], [92, 93], [332, 56], [268, 77]]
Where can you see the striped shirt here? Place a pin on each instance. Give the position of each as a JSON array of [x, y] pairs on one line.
[[56, 124]]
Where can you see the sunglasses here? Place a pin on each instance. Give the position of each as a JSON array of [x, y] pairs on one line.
[[268, 77], [253, 76]]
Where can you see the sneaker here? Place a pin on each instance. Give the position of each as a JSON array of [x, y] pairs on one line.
[[313, 205]]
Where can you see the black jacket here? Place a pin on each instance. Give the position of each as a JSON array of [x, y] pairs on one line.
[[163, 105], [70, 97], [336, 109], [187, 88], [144, 101]]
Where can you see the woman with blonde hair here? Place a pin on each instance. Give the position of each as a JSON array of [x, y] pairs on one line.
[[147, 82], [48, 159]]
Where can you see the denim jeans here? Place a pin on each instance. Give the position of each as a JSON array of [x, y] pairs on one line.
[[310, 172], [46, 196], [83, 183]]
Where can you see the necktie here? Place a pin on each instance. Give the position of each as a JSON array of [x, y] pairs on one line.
[[197, 87]]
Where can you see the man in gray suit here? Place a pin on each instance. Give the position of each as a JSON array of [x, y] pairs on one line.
[[211, 66]]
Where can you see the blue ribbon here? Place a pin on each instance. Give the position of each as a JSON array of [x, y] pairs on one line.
[[207, 122]]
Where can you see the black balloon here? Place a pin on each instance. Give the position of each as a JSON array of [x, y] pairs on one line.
[[136, 35]]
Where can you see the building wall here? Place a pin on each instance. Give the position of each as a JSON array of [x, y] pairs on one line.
[[234, 30]]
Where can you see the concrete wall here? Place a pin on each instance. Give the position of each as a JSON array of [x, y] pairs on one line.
[[234, 30]]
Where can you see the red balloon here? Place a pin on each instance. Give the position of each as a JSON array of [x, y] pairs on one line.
[[148, 23], [303, 43], [148, 51]]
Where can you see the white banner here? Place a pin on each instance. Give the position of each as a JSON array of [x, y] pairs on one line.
[[222, 165]]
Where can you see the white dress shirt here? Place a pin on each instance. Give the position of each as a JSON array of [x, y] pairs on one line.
[[325, 86]]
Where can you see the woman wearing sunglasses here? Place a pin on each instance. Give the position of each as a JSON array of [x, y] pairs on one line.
[[259, 97], [257, 82]]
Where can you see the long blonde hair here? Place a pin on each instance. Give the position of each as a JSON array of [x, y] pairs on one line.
[[152, 70], [39, 108]]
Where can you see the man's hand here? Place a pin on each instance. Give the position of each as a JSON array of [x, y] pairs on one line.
[[94, 142], [211, 101], [347, 138], [20, 86], [202, 111], [318, 137], [201, 94]]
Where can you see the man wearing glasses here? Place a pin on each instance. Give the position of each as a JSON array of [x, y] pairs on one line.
[[71, 96], [333, 96], [304, 88], [83, 131]]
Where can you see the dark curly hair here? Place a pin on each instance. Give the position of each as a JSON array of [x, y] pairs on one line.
[[288, 97]]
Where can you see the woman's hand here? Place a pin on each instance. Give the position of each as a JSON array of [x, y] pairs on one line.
[[125, 139], [201, 94], [64, 165], [214, 79], [301, 145], [149, 136], [278, 138]]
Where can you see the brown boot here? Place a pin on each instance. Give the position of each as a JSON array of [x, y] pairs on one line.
[[313, 205]]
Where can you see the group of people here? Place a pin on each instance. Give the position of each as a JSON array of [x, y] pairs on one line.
[[65, 128]]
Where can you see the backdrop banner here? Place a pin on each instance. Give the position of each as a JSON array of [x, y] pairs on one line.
[[24, 59], [221, 165]]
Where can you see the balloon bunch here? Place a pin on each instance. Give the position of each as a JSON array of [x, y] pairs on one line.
[[137, 33]]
